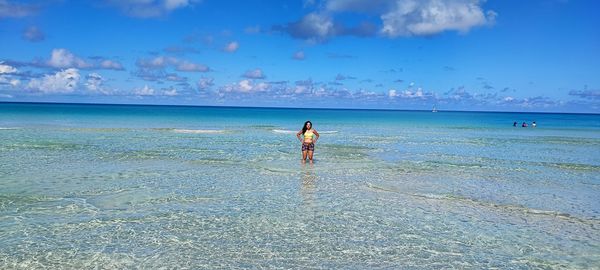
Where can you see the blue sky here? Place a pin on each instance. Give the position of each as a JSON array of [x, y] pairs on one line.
[[507, 55]]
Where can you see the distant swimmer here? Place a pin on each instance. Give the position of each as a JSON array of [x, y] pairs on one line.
[[308, 139], [533, 124], [515, 124], [524, 124]]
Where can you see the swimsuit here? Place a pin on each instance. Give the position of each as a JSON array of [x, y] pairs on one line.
[[308, 146], [309, 134]]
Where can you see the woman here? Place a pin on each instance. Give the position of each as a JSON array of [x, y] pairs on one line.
[[309, 138]]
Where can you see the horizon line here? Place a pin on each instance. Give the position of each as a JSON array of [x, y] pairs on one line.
[[279, 107]]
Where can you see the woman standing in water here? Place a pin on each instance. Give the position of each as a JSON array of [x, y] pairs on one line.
[[310, 137]]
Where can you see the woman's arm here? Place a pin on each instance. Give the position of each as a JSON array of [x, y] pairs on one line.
[[316, 134], [298, 135]]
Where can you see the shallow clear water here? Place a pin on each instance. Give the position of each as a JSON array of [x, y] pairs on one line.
[[96, 186]]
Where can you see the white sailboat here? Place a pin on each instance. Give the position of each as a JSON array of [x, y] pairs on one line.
[[434, 109]]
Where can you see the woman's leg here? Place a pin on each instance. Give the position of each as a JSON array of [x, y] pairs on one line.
[[304, 156], [310, 155]]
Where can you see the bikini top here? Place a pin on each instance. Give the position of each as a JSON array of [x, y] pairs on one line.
[[309, 134]]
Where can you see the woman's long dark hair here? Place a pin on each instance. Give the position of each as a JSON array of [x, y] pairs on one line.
[[304, 127]]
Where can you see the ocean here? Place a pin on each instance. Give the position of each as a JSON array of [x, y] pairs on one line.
[[129, 186]]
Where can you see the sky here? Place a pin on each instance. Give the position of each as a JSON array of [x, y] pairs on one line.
[[494, 55]]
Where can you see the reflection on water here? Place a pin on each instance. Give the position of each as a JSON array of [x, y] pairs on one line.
[[309, 184]]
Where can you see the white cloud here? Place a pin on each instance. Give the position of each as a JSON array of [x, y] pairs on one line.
[[9, 81], [144, 91], [170, 92], [392, 93], [315, 27], [109, 64], [245, 86], [416, 18], [64, 81], [302, 89], [410, 94], [398, 18], [205, 83], [62, 58], [231, 47], [95, 83], [254, 74], [5, 69], [5, 77]]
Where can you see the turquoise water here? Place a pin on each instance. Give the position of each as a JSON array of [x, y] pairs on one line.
[[117, 186]]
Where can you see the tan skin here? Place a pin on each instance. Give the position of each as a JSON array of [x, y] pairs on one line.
[[303, 139]]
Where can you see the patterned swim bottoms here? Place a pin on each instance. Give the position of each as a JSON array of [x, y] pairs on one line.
[[308, 146]]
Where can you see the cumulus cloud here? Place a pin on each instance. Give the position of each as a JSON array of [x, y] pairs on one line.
[[109, 64], [95, 83], [317, 27], [33, 34], [62, 58], [418, 18], [149, 8], [64, 81], [5, 75], [245, 86], [9, 81], [397, 18], [254, 74], [231, 47], [409, 94], [144, 91], [205, 83], [13, 10], [6, 69], [299, 55], [313, 26], [171, 92]]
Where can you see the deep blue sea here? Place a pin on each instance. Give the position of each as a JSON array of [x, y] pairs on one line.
[[129, 186]]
